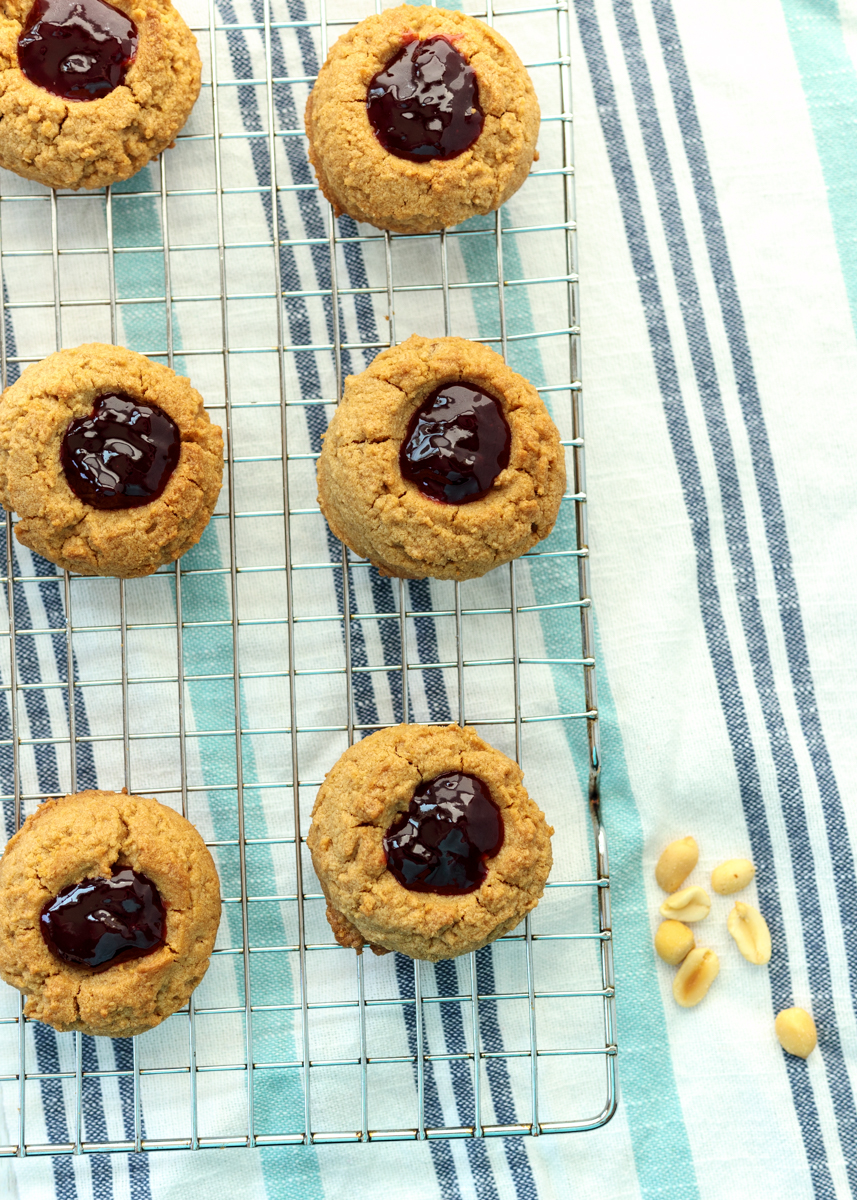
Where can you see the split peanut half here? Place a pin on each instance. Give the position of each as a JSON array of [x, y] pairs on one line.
[[750, 931], [695, 976], [690, 904]]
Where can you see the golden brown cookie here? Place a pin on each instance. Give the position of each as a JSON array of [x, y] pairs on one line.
[[70, 143], [92, 836], [35, 414], [362, 178], [369, 796], [381, 516]]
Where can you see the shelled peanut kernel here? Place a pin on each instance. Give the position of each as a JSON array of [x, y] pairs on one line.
[[796, 1032], [750, 931], [676, 863], [673, 942], [732, 876]]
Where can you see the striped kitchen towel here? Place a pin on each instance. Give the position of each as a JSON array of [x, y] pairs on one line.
[[716, 166]]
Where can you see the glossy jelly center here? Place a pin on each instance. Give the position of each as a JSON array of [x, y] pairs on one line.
[[457, 443], [105, 921], [77, 49], [441, 843], [425, 102], [122, 455]]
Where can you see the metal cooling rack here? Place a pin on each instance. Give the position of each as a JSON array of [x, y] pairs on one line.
[[552, 1069]]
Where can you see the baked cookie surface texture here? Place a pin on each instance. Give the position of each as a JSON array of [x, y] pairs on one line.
[[380, 845], [98, 395], [67, 126], [374, 73], [93, 839], [408, 527]]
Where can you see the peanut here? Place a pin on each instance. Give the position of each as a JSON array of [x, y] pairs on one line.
[[732, 876], [690, 904], [750, 931], [695, 976], [795, 1029], [676, 863], [673, 942]]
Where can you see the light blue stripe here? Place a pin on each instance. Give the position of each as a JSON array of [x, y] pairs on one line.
[[830, 87], [278, 1096], [655, 1121]]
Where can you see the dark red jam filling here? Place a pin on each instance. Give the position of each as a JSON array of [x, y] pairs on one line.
[[101, 922], [443, 840], [77, 49], [425, 103], [456, 445], [122, 455]]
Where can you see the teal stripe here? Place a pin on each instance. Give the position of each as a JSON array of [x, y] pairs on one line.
[[278, 1100], [830, 88], [658, 1135]]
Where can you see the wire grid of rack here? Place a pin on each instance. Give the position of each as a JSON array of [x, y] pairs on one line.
[[112, 681]]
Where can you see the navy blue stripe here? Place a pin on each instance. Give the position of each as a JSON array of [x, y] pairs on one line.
[[450, 1014], [47, 1050], [446, 976], [100, 1165], [497, 1069], [53, 1108], [138, 1164], [382, 590], [298, 321], [731, 699], [441, 1151], [766, 482], [308, 202], [48, 776], [44, 1038], [738, 540], [52, 599], [384, 601], [389, 633]]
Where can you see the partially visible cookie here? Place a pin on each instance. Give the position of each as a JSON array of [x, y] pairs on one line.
[[421, 118], [109, 460], [90, 91], [440, 461], [425, 841], [109, 908]]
